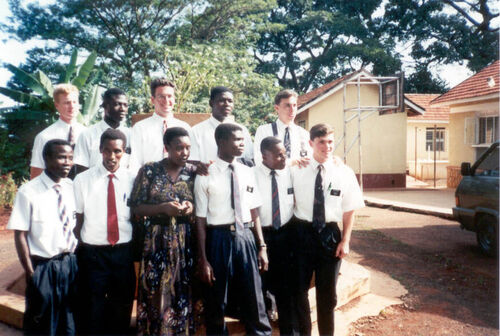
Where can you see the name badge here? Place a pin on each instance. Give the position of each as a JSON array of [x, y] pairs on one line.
[[250, 189], [290, 191], [335, 192]]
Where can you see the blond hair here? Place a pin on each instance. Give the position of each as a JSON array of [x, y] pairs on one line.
[[63, 89]]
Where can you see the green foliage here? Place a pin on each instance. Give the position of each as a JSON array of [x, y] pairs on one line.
[[422, 81], [13, 157], [8, 190]]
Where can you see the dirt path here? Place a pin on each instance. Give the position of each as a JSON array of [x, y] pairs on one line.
[[453, 289]]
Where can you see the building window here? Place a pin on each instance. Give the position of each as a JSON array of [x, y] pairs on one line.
[[488, 130], [429, 139]]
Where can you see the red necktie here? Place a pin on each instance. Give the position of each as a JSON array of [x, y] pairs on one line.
[[113, 234]]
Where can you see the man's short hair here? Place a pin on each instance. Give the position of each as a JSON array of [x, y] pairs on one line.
[[112, 134], [110, 93], [63, 89], [173, 133], [158, 82], [219, 90], [224, 131], [284, 94], [268, 142], [320, 130], [48, 148]]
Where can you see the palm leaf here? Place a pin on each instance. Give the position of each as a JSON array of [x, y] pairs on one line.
[[21, 97], [27, 79], [70, 70], [84, 71], [91, 104], [45, 81]]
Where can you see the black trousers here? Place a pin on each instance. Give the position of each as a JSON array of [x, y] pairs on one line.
[[51, 296], [277, 279], [233, 257], [107, 283], [313, 257]]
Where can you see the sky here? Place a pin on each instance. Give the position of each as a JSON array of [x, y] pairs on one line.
[[14, 52]]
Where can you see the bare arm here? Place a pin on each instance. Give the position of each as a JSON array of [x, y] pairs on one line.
[[34, 172], [167, 208], [259, 239], [204, 268], [348, 222], [78, 227], [23, 251]]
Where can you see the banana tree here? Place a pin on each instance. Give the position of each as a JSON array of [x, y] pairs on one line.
[[39, 104]]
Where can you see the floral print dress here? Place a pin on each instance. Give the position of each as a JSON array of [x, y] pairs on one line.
[[164, 300]]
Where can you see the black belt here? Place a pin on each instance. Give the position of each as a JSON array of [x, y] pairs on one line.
[[38, 259], [271, 228], [301, 221], [104, 247], [231, 227]]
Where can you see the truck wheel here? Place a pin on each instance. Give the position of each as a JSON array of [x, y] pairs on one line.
[[487, 235]]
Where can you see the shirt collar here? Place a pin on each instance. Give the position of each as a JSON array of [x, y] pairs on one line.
[[49, 183], [65, 124], [314, 164], [159, 118], [267, 171], [103, 172], [222, 165], [282, 126], [216, 122]]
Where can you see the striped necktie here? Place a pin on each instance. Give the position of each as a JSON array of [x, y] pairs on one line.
[[236, 200], [275, 199], [286, 142], [63, 216]]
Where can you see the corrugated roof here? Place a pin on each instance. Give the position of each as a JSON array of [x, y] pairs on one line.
[[483, 83], [423, 100]]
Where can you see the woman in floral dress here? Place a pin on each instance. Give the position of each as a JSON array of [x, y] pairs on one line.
[[163, 194]]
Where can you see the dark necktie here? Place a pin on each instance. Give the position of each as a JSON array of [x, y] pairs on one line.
[[63, 216], [113, 233], [236, 200], [275, 201], [286, 142], [71, 137], [165, 154], [319, 202]]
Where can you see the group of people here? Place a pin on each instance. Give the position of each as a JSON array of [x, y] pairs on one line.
[[224, 225]]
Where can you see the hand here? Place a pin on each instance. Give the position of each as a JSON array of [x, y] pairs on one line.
[[262, 259], [342, 249], [187, 208], [202, 168], [172, 209], [301, 163], [205, 272]]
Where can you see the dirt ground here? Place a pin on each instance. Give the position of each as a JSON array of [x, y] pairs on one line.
[[453, 288]]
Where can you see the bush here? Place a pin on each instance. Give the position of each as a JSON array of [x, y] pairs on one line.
[[8, 190]]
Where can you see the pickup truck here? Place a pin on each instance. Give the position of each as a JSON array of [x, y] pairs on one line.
[[476, 199]]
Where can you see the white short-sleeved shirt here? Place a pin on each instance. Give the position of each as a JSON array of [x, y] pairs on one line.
[[204, 147], [285, 191], [213, 193], [87, 151], [146, 143], [58, 130], [341, 190], [91, 198], [36, 211], [299, 139]]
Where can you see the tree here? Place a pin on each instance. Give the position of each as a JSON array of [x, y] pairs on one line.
[[422, 81], [310, 42], [443, 32]]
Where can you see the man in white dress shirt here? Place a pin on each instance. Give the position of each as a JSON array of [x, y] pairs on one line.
[[87, 153], [147, 135], [107, 276], [327, 194], [43, 218], [204, 148], [226, 209], [275, 186], [66, 128], [295, 138]]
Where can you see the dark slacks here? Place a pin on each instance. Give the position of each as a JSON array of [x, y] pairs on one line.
[[51, 296], [277, 279], [313, 257], [233, 257], [107, 282]]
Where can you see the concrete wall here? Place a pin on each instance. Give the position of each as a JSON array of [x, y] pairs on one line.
[[459, 151], [422, 153], [383, 137]]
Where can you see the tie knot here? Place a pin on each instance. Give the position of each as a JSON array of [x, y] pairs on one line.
[[111, 176], [320, 167], [273, 172], [57, 188], [231, 166]]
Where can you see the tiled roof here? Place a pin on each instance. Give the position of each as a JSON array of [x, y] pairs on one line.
[[431, 112], [318, 92], [483, 83]]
